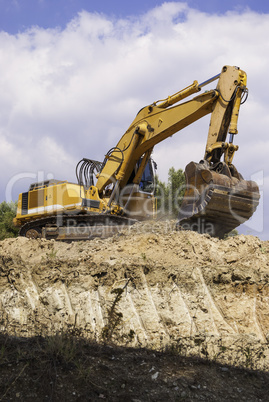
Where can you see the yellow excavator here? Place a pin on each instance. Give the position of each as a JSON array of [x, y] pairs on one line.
[[120, 190]]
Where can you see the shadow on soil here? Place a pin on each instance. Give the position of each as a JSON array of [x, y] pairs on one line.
[[66, 367]]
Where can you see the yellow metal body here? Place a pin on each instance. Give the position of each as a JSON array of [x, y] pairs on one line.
[[49, 199], [152, 125]]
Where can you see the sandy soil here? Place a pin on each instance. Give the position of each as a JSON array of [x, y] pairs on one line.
[[147, 287]]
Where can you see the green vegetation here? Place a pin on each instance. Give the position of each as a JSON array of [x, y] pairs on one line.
[[169, 195], [7, 213], [232, 233]]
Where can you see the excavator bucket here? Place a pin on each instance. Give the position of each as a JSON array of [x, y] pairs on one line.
[[217, 199]]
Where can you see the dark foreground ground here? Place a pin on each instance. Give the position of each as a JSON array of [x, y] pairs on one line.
[[69, 368]]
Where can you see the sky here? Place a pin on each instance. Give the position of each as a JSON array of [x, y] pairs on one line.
[[74, 73]]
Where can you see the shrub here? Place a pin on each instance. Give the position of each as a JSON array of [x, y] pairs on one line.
[[7, 213]]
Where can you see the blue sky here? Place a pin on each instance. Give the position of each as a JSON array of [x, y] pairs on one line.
[[17, 15], [74, 73]]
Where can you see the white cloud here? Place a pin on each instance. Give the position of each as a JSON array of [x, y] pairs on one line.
[[68, 94]]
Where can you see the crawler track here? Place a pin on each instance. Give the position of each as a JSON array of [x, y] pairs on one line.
[[75, 227]]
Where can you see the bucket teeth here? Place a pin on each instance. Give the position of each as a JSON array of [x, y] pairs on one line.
[[216, 200]]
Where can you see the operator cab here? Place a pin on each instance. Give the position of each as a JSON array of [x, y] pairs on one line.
[[147, 183]]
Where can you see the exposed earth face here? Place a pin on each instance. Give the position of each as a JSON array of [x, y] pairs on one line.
[[149, 286]]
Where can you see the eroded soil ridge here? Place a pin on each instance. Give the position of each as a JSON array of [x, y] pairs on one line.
[[147, 286]]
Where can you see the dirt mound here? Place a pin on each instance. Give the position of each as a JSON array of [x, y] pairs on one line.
[[149, 286]]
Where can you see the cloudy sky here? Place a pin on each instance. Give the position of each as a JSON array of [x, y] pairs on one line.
[[74, 73]]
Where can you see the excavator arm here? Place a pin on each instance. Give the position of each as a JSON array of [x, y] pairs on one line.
[[157, 122], [216, 193], [160, 120]]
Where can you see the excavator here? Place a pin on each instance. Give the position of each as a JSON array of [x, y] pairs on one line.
[[120, 190]]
